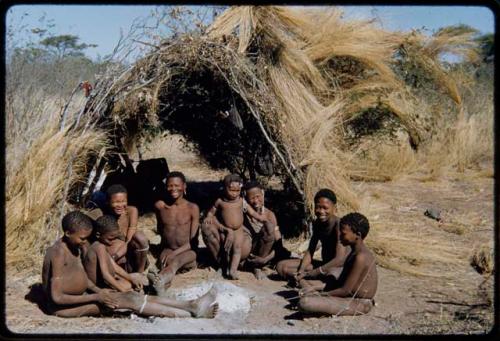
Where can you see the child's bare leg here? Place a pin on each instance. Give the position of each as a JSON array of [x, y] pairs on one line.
[[288, 268], [335, 305], [125, 285], [143, 305], [84, 310], [236, 253], [175, 263], [309, 286], [140, 244], [204, 306], [267, 239], [211, 237]]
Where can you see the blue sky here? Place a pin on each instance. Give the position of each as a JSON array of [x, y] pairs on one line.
[[101, 24]]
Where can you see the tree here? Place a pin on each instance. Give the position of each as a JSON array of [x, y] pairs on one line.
[[65, 45]]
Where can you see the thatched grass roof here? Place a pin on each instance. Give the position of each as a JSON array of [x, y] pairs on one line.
[[291, 78], [263, 85]]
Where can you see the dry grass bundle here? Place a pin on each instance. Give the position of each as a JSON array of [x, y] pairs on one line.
[[482, 260], [35, 189], [280, 64], [296, 80]]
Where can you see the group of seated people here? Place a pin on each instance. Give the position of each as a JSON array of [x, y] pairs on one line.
[[99, 265]]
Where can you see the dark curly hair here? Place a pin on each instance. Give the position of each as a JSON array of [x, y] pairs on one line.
[[359, 223], [76, 221]]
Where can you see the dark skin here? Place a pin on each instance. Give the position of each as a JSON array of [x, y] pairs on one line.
[[102, 270], [65, 281], [229, 231], [263, 253], [177, 222], [326, 231], [66, 284], [127, 217], [352, 292]]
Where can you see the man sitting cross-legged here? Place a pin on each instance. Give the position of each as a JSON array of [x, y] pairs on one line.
[[353, 291], [177, 223], [326, 231]]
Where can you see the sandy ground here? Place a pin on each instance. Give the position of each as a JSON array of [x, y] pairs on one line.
[[457, 300]]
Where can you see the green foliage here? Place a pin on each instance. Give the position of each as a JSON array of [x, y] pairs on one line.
[[65, 45], [486, 44]]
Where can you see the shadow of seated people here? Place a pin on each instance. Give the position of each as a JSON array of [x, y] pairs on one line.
[[287, 294], [294, 316], [275, 277], [37, 295]]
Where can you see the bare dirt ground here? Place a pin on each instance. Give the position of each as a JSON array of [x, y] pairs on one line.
[[450, 296]]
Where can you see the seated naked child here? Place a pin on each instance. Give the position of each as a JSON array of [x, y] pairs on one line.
[[263, 244], [326, 231], [352, 293], [177, 223], [70, 293], [228, 228], [129, 251], [101, 269]]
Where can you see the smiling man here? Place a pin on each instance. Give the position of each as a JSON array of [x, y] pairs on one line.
[[325, 230], [177, 224]]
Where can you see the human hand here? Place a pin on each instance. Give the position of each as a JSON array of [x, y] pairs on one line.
[[257, 260], [165, 257], [228, 243], [299, 275], [137, 280], [208, 221], [108, 298]]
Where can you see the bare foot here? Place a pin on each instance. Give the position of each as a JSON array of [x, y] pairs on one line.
[[141, 277], [259, 274], [233, 275], [159, 284], [205, 306]]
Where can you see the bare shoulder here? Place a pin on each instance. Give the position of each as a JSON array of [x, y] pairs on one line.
[[97, 247], [56, 250], [270, 215], [132, 210], [365, 257], [159, 205], [193, 207]]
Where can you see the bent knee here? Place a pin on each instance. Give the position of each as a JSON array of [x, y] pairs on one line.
[[141, 239], [208, 231]]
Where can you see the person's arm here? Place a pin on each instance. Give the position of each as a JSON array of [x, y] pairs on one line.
[[341, 253], [56, 287], [337, 262], [195, 220], [136, 281], [253, 213], [261, 260], [103, 257], [349, 288], [193, 229], [92, 287], [133, 216], [307, 258], [211, 220]]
